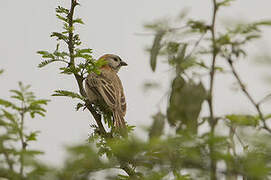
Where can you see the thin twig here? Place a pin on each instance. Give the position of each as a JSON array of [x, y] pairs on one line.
[[245, 91], [195, 46], [233, 129]]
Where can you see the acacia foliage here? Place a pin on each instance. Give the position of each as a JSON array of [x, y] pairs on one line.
[[17, 160], [182, 152], [191, 48]]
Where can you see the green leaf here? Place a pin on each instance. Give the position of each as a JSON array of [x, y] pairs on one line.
[[79, 21], [40, 102], [82, 51], [8, 104], [1, 71], [263, 23], [79, 106], [46, 54], [62, 18], [185, 103], [33, 113], [243, 120], [19, 95], [157, 125], [32, 136], [70, 70], [100, 62], [60, 36], [224, 39], [62, 55], [198, 26], [68, 94], [45, 63], [172, 47], [62, 10], [9, 116], [156, 48]]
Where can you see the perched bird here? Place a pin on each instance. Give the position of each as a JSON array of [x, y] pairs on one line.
[[107, 88]]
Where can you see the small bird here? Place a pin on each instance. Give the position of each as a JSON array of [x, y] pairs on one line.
[[106, 87]]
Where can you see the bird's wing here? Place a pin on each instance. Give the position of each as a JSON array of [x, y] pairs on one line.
[[122, 101], [110, 89], [104, 88], [109, 92]]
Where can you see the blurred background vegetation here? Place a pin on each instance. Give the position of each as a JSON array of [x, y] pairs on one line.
[[183, 143]]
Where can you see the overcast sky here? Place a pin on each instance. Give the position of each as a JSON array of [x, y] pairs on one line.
[[110, 27]]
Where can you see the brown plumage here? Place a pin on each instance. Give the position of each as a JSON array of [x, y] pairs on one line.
[[107, 87]]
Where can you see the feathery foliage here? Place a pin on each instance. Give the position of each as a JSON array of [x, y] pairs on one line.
[[14, 137], [178, 146]]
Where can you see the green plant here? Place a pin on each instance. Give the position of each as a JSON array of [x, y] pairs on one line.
[[242, 150], [14, 138], [192, 61]]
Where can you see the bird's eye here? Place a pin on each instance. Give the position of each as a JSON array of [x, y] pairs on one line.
[[115, 59]]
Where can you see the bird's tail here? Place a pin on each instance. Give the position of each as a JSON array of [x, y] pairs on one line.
[[119, 121]]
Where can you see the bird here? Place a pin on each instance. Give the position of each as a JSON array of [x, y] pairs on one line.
[[106, 87]]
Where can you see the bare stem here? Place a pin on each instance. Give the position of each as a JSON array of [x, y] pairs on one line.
[[245, 91], [212, 72], [213, 120]]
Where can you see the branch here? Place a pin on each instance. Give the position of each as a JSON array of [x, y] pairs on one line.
[[213, 121], [70, 41], [245, 91], [23, 143], [79, 79], [212, 72]]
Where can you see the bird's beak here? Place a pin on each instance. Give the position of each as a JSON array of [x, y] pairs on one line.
[[122, 63]]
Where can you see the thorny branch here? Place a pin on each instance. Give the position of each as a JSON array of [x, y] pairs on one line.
[[79, 79]]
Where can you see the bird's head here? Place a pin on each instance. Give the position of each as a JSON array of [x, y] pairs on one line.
[[114, 61]]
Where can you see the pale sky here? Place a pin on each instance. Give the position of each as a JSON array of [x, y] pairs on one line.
[[110, 27]]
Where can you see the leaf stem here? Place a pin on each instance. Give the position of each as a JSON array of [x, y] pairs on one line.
[[21, 135]]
